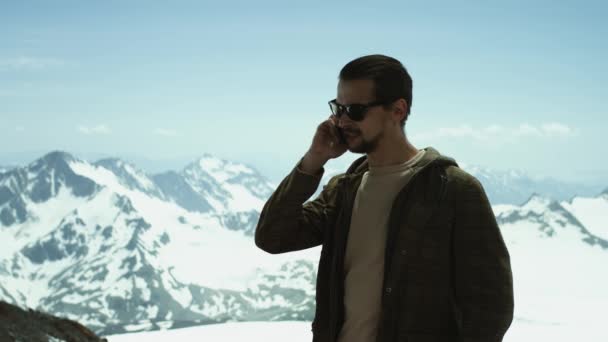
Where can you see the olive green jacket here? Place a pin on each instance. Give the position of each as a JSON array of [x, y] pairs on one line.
[[447, 273]]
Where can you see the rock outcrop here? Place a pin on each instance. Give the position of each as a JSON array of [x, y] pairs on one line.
[[30, 325]]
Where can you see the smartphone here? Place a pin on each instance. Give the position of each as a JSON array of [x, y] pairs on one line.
[[340, 135]]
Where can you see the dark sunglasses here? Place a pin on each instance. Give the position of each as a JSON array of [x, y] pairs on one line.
[[355, 112]]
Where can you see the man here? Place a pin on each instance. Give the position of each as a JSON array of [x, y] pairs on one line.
[[411, 250]]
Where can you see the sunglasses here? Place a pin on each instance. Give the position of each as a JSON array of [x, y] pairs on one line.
[[355, 112]]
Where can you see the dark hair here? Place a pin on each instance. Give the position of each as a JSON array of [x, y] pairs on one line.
[[391, 79]]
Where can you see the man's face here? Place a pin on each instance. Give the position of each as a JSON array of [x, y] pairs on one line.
[[361, 136]]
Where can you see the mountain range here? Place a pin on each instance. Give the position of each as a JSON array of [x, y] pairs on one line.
[[121, 250]]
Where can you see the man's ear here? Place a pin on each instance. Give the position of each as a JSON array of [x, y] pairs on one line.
[[400, 107]]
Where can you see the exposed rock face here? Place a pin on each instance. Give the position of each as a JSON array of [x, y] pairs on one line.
[[35, 326]]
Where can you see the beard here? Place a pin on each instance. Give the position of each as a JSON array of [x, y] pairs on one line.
[[358, 144]]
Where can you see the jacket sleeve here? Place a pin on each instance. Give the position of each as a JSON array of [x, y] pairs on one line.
[[483, 281], [288, 224]]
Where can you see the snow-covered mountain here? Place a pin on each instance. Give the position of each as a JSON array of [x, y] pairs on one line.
[[592, 213], [104, 243], [514, 186], [567, 217], [121, 250], [558, 257], [48, 182], [130, 177]]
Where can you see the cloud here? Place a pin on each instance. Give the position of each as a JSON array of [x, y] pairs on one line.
[[165, 132], [556, 128], [495, 132], [99, 129], [550, 129], [19, 128], [527, 129], [28, 63]]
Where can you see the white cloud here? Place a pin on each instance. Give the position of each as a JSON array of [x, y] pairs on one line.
[[165, 132], [28, 63], [527, 129], [99, 129], [556, 128], [494, 132], [550, 129]]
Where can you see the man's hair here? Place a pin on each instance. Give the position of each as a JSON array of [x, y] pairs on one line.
[[391, 79]]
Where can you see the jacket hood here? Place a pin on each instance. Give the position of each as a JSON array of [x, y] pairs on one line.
[[433, 156]]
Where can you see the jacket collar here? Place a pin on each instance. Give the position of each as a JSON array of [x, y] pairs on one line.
[[432, 156]]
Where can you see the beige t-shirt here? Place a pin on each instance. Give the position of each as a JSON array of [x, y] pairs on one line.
[[364, 259]]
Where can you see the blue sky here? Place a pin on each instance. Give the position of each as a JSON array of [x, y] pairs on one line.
[[515, 84]]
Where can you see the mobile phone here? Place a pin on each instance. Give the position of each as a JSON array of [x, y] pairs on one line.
[[340, 135]]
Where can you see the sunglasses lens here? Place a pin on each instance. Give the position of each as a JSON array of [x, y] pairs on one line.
[[335, 109], [355, 112]]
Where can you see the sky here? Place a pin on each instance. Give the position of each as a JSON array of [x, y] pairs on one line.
[[517, 84]]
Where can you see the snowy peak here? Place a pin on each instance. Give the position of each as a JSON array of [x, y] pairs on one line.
[[537, 209], [537, 203], [220, 169], [230, 172], [175, 188], [48, 174], [56, 158], [591, 212], [227, 185], [130, 176], [550, 218], [37, 183]]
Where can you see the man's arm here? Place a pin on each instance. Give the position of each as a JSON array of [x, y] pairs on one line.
[[483, 281], [288, 224]]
